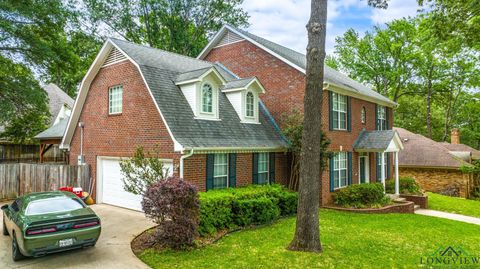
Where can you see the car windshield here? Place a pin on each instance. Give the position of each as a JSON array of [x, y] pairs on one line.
[[53, 205]]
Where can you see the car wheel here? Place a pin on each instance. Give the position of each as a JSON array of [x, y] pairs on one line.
[[5, 231], [16, 255]]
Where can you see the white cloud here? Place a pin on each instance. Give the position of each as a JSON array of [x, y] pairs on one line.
[[283, 21], [396, 9]]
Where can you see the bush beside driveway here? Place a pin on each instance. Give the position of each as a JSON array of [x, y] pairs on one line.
[[119, 227]]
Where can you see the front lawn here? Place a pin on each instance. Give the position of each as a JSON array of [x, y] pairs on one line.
[[350, 240], [454, 205]]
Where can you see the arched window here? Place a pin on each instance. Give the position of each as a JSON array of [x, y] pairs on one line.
[[363, 115], [249, 105], [207, 98]]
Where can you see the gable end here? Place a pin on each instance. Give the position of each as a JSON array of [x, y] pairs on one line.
[[114, 56], [229, 38]]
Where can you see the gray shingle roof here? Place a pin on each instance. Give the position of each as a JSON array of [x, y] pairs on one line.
[[54, 132], [374, 140], [57, 98], [239, 83], [191, 74], [161, 69], [331, 75]]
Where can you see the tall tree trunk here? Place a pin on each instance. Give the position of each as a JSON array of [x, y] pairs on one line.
[[307, 232]]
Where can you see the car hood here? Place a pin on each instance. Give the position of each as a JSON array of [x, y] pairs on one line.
[[61, 216]]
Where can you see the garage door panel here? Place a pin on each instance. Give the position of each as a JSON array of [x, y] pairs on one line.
[[112, 185]]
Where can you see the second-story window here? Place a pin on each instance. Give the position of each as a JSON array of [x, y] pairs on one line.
[[115, 99], [207, 98], [249, 109], [363, 115], [339, 111], [381, 118]]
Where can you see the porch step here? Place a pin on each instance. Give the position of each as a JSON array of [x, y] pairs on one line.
[[400, 200], [415, 207]]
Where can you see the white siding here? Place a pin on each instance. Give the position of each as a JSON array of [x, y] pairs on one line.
[[236, 100], [190, 93]]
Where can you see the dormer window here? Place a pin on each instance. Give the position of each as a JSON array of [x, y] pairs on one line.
[[207, 98], [249, 109]]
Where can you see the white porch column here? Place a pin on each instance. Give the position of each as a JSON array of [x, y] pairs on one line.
[[397, 182], [383, 169]]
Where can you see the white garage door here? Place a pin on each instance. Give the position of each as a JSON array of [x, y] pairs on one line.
[[110, 184]]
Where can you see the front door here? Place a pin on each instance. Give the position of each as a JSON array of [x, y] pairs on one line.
[[363, 167]]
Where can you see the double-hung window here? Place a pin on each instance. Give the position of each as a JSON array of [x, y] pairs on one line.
[[115, 99], [381, 118], [379, 165], [249, 107], [220, 171], [263, 168], [340, 165], [207, 98], [339, 111]]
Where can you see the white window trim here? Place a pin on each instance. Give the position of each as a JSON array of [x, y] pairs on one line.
[[253, 106], [227, 170], [338, 170], [363, 115], [338, 111], [268, 166], [201, 99], [382, 117], [116, 87]]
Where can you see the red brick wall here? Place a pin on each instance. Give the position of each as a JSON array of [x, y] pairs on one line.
[[195, 169], [284, 86], [139, 124]]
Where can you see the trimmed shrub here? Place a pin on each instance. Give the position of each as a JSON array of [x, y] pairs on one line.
[[215, 211], [361, 196], [253, 204], [174, 205], [408, 185], [254, 211]]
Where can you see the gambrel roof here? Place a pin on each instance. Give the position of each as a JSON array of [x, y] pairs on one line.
[[161, 70], [299, 61]]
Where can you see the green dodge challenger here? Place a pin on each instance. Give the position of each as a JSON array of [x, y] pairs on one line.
[[48, 222]]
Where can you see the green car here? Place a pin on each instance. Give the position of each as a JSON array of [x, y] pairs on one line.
[[48, 222]]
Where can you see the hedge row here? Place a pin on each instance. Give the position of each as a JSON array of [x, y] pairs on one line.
[[408, 185], [361, 196], [240, 207]]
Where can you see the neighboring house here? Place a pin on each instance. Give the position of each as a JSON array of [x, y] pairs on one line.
[[59, 106], [357, 119], [205, 123], [435, 165]]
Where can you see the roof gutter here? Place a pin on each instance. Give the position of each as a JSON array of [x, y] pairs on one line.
[[182, 159]]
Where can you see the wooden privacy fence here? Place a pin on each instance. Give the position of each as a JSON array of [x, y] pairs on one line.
[[21, 178]]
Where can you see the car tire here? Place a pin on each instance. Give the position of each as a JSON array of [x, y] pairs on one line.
[[5, 231], [16, 254]]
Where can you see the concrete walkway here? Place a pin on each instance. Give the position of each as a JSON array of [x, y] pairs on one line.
[[445, 215], [119, 227]]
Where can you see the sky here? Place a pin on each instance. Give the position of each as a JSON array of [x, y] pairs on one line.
[[283, 21]]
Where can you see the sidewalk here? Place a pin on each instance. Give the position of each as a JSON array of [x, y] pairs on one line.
[[445, 215]]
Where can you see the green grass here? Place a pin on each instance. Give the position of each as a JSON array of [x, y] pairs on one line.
[[349, 240], [454, 205]]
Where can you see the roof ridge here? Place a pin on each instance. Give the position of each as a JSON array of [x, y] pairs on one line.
[[166, 51]]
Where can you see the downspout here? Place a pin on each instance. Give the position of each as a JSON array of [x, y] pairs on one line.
[[182, 158]]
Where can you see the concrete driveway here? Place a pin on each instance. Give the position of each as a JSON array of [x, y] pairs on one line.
[[119, 227]]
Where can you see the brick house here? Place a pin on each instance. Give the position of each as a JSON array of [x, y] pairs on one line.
[[436, 165], [357, 120], [205, 123]]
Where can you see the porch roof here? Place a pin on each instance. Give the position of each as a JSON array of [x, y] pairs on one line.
[[378, 141], [54, 132]]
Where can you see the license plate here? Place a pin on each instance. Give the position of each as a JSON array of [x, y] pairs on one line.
[[65, 242]]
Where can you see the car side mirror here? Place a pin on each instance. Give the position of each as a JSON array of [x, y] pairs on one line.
[[4, 207]]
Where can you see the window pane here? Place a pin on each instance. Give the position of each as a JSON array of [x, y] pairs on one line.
[[115, 99], [220, 182], [207, 98], [262, 178], [249, 108], [53, 205]]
